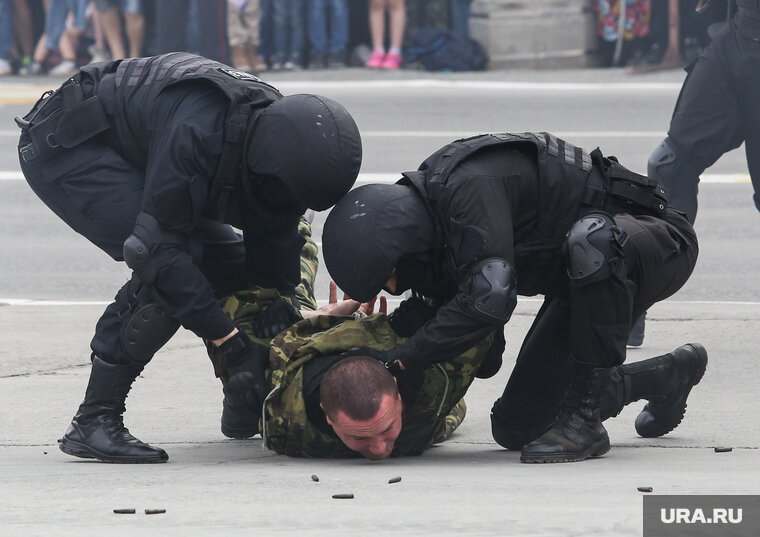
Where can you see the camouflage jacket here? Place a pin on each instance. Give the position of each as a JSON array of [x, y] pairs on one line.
[[285, 425]]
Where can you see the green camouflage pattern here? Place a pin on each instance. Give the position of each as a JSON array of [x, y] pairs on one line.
[[437, 411], [287, 429], [239, 308], [309, 266], [453, 421]]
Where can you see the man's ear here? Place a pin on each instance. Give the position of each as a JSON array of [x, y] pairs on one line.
[[329, 421]]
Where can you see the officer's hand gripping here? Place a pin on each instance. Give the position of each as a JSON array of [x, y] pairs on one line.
[[245, 362], [273, 320]]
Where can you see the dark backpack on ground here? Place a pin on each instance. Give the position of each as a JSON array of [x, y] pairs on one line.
[[442, 50]]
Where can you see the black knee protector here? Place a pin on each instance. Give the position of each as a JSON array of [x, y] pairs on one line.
[[594, 249], [492, 290], [145, 325], [664, 163]]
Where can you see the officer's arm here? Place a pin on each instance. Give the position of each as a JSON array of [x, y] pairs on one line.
[[183, 156], [273, 251], [481, 242]]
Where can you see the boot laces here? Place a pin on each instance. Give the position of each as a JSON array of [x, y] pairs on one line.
[[576, 405], [115, 424]]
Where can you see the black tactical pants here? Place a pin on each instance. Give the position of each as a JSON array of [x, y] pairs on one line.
[[591, 324], [717, 110], [99, 194]]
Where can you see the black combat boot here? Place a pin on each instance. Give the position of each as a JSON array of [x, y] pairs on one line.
[[97, 431], [577, 433], [238, 420], [665, 381]]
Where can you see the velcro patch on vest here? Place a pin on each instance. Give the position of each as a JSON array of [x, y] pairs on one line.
[[240, 75]]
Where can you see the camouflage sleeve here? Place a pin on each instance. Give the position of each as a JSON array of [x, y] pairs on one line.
[[309, 266]]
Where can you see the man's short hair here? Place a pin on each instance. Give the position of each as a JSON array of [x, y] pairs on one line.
[[356, 386]]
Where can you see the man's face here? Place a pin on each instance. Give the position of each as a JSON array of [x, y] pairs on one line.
[[375, 437]]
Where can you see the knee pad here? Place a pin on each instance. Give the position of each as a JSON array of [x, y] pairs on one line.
[[663, 163], [492, 291], [594, 249], [145, 325]]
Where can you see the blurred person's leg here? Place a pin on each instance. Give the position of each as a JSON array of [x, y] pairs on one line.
[[377, 32], [6, 36], [110, 20], [377, 23], [279, 33], [252, 19], [397, 22], [460, 16], [297, 33], [266, 33], [55, 24], [236, 35], [338, 32], [99, 49], [171, 25], [135, 23], [23, 30], [317, 24], [69, 42], [211, 19]]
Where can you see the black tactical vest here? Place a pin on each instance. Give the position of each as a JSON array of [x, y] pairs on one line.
[[138, 81], [563, 172]]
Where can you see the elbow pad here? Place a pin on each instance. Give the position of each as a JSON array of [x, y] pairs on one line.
[[491, 291], [140, 248]]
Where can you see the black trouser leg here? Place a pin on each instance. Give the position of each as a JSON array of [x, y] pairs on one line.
[[538, 381]]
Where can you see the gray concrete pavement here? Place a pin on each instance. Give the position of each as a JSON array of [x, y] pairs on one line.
[[215, 486]]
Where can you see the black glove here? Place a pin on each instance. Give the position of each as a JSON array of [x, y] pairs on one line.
[[273, 320], [246, 362], [410, 316]]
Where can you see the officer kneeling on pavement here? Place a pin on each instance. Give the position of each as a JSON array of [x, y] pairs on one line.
[[153, 160], [330, 394], [490, 217]]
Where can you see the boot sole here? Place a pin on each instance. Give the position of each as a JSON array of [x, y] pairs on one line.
[[595, 450], [238, 434], [82, 451], [701, 352]]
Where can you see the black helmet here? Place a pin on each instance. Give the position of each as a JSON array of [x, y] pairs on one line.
[[310, 144], [369, 231]]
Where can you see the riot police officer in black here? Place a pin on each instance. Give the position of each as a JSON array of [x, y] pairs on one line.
[[717, 110], [154, 160], [490, 217]]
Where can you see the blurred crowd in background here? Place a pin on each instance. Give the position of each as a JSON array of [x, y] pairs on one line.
[[57, 36]]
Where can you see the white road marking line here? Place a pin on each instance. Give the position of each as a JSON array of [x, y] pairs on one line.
[[392, 177], [10, 92], [58, 303], [463, 134]]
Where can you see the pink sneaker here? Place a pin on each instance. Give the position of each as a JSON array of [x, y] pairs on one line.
[[392, 61], [376, 60]]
